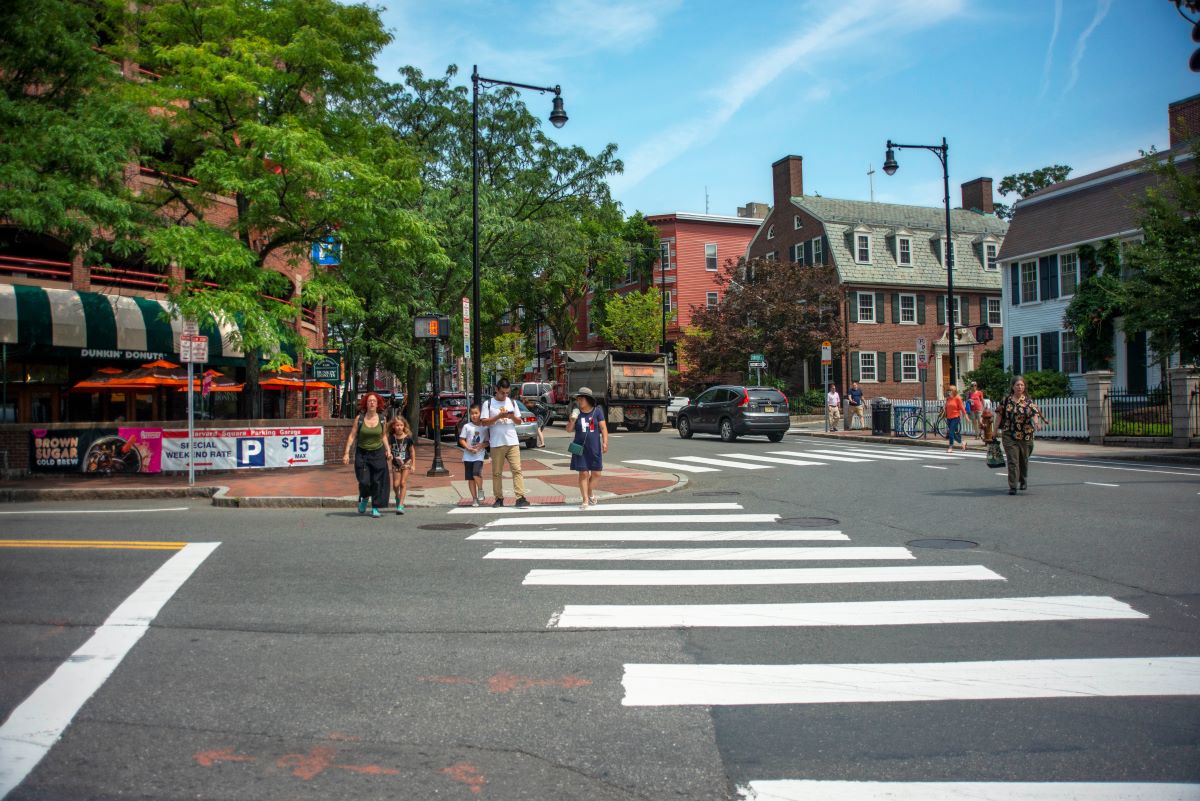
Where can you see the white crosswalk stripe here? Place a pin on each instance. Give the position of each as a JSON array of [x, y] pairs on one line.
[[611, 507], [593, 517], [669, 535], [817, 453], [769, 576], [839, 790], [687, 468], [703, 554], [914, 452], [774, 459], [823, 457], [719, 462]]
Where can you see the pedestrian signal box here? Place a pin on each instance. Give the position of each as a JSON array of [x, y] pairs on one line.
[[431, 326]]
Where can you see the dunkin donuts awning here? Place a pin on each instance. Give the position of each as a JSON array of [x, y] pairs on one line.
[[93, 325]]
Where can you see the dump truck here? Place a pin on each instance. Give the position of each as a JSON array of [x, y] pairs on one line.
[[632, 387]]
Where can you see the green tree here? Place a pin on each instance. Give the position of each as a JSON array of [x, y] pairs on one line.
[[634, 321], [1163, 285], [1024, 184], [991, 376], [507, 356], [71, 120], [1098, 302]]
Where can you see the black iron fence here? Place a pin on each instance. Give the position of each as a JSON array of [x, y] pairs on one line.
[[1139, 414], [1194, 413]]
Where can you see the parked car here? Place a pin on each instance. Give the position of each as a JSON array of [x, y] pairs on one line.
[[674, 404], [454, 410], [535, 391], [734, 411], [527, 429]]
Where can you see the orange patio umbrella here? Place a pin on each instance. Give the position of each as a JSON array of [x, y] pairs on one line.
[[219, 382], [289, 378]]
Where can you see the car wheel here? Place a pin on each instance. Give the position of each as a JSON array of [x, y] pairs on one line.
[[776, 436], [655, 428], [684, 427], [727, 432]]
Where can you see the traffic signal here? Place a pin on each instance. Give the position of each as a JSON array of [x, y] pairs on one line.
[[431, 326]]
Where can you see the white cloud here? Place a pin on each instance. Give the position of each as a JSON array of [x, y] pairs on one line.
[[843, 29], [1102, 8], [1058, 9], [596, 25]]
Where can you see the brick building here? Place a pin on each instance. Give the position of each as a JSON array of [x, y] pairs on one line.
[[891, 260]]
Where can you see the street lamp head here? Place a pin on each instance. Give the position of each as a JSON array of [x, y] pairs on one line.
[[557, 116], [889, 162]]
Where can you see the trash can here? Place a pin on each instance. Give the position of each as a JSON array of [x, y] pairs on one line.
[[881, 410], [899, 413]]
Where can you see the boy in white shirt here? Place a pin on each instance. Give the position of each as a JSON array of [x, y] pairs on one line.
[[471, 440], [500, 414]]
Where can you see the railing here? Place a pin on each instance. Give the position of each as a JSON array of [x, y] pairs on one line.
[[35, 268], [1064, 417], [1194, 414], [114, 276], [1139, 414]]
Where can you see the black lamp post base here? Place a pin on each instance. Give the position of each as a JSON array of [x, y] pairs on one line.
[[437, 470]]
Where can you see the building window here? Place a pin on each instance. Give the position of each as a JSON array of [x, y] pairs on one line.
[[630, 277], [818, 249], [773, 255], [862, 248], [1068, 274], [664, 255], [908, 368], [710, 256], [993, 317], [711, 300], [1069, 352], [797, 253], [770, 232], [904, 251], [1029, 354], [989, 256], [666, 299], [866, 366], [958, 304], [866, 307], [1029, 282], [908, 309], [797, 224]]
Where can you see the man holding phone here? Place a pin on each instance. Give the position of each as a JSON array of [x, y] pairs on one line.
[[500, 415]]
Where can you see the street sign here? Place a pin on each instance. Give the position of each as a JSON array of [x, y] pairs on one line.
[[327, 368], [193, 349], [190, 328], [757, 357], [827, 352], [922, 353], [466, 306]]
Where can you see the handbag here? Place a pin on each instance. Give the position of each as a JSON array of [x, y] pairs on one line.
[[995, 454], [575, 449]]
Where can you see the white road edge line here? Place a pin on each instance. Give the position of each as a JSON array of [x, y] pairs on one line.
[[934, 467], [819, 790], [37, 724], [96, 511], [885, 682], [1100, 484]]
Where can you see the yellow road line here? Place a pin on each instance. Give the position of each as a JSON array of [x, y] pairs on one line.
[[134, 545]]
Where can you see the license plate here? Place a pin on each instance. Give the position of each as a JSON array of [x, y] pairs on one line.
[[768, 409]]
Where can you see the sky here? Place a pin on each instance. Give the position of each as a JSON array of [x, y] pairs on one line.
[[702, 96]]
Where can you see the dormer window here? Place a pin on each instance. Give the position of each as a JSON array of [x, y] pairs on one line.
[[862, 245], [989, 248], [904, 247], [941, 250]]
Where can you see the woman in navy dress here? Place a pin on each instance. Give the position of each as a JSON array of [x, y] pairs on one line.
[[591, 434]]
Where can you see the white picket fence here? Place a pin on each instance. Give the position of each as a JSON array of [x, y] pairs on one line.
[[1065, 417]]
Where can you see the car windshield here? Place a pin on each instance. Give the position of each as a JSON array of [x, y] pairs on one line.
[[770, 395]]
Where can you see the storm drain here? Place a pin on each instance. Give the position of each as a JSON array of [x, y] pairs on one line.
[[948, 545], [808, 522], [446, 526]]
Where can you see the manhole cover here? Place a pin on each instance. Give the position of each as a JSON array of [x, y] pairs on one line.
[[943, 544], [446, 526], [715, 493], [807, 522]]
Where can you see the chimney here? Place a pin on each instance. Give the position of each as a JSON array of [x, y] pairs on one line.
[[1183, 118], [787, 176], [977, 196], [754, 211]]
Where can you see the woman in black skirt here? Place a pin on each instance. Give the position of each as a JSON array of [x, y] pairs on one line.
[[589, 446], [371, 455]]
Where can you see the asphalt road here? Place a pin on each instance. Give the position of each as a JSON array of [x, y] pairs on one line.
[[319, 654]]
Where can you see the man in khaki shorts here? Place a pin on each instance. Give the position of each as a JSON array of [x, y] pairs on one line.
[[500, 415]]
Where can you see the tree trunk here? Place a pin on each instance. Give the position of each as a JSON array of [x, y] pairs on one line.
[[250, 402], [412, 401]]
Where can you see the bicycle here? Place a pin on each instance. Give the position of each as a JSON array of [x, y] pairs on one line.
[[915, 423]]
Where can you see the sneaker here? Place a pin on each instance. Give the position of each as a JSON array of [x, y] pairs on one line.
[[479, 497], [583, 507], [592, 500], [399, 508], [1023, 485], [1012, 491], [374, 512], [521, 502], [475, 502], [362, 506], [499, 502]]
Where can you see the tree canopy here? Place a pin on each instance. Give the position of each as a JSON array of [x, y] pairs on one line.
[[1024, 184]]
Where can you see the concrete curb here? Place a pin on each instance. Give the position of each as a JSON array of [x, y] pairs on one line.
[[22, 494]]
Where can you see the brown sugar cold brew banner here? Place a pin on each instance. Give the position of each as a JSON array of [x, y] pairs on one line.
[[95, 450]]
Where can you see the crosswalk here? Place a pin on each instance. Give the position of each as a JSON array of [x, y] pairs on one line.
[[725, 535], [815, 454]]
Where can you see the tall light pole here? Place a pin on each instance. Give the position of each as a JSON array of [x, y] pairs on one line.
[[890, 166], [559, 118]]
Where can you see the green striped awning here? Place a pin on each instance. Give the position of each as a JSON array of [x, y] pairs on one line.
[[101, 326]]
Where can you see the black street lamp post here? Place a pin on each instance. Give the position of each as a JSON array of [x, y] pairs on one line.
[[559, 118], [666, 295], [890, 166]]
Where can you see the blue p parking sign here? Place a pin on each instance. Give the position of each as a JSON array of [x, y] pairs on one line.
[[251, 452]]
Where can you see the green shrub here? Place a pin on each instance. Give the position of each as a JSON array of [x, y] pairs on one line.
[[991, 376], [1047, 384]]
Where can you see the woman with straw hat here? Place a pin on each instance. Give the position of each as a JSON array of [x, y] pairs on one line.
[[589, 446]]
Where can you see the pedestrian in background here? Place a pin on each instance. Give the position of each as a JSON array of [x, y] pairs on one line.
[[369, 439], [1018, 419], [501, 415], [403, 449], [589, 445], [472, 438], [833, 406], [855, 396], [975, 404], [955, 413]]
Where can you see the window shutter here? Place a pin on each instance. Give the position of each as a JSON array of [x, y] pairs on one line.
[[1044, 278], [983, 310], [895, 307], [1014, 284], [964, 310], [897, 366], [941, 310], [1052, 271], [853, 365], [1050, 350], [808, 255], [879, 307], [826, 255], [1016, 350], [881, 366], [853, 297], [920, 310]]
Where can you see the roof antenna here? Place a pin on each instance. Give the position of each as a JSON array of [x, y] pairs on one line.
[[706, 200], [871, 180]]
